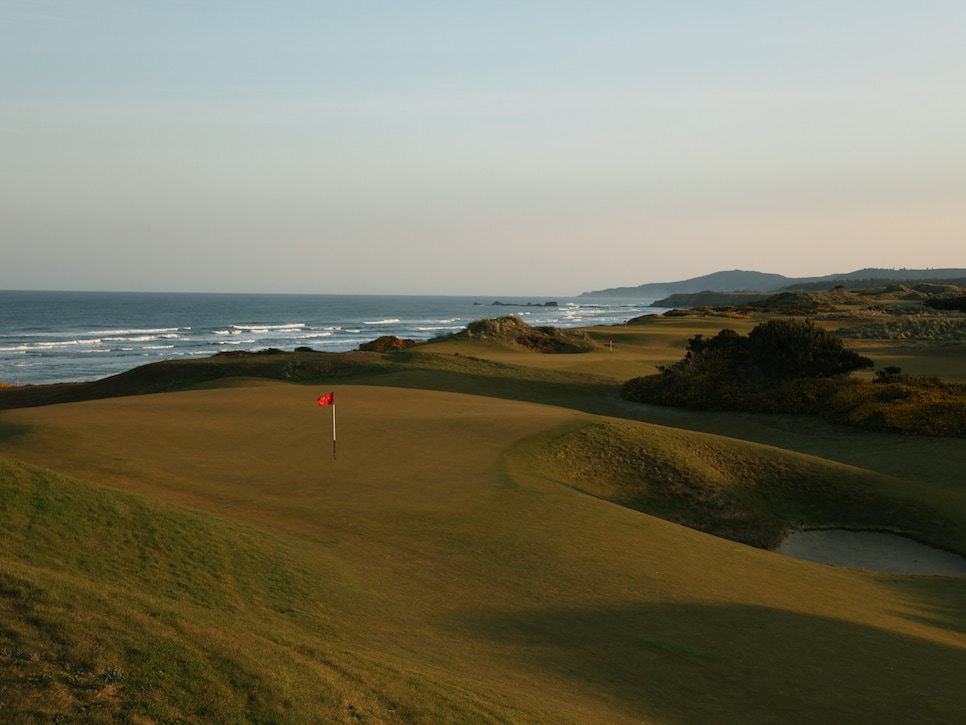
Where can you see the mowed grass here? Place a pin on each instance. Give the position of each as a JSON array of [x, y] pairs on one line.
[[199, 556]]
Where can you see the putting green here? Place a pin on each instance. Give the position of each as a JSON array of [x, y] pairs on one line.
[[453, 560]]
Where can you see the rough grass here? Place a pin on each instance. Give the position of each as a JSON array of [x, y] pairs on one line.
[[453, 358], [513, 332], [933, 329], [171, 375], [900, 404], [741, 491]]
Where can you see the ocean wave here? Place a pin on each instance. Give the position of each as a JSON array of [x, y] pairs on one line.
[[267, 328], [144, 338], [80, 334], [330, 342], [139, 331], [50, 345]]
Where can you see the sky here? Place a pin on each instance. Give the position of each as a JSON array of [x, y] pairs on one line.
[[451, 147]]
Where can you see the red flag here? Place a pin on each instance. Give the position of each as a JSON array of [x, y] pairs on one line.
[[328, 399]]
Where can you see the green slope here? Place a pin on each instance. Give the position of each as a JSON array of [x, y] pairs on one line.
[[198, 556]]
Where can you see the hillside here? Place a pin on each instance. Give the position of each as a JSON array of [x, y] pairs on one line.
[[935, 297], [747, 281], [730, 281]]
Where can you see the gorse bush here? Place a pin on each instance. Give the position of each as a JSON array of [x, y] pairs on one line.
[[773, 351], [947, 303], [798, 349], [788, 366]]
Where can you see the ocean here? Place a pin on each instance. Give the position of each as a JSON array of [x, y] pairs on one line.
[[54, 337]]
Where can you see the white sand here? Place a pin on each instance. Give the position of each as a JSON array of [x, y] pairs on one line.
[[873, 551]]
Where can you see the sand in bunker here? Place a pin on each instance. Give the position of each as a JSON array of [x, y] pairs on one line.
[[873, 551]]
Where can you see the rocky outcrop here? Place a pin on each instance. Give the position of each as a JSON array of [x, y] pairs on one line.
[[387, 343], [514, 332]]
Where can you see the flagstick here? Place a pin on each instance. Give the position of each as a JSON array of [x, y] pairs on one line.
[[329, 399]]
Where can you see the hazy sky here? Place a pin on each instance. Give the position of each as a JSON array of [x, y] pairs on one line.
[[449, 147]]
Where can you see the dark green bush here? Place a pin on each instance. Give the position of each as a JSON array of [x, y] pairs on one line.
[[773, 351], [947, 303], [787, 366], [798, 349]]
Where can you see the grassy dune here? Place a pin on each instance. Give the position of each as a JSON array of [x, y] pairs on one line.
[[478, 552], [744, 491]]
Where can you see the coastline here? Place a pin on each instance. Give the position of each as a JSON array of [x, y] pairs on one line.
[[62, 337]]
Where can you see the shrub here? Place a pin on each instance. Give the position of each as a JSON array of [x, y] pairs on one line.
[[799, 349], [947, 303], [773, 351], [784, 366]]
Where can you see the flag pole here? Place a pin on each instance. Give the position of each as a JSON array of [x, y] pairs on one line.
[[329, 399], [333, 431]]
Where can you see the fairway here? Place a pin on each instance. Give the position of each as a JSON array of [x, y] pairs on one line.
[[455, 576]]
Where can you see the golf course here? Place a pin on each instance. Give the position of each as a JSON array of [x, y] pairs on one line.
[[476, 532]]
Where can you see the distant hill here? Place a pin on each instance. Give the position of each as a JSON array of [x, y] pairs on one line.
[[747, 281]]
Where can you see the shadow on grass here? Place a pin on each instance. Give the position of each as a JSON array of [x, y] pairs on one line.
[[698, 664], [447, 373], [9, 431], [942, 598], [583, 396]]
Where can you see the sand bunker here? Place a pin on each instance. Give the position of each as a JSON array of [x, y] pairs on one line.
[[873, 551]]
